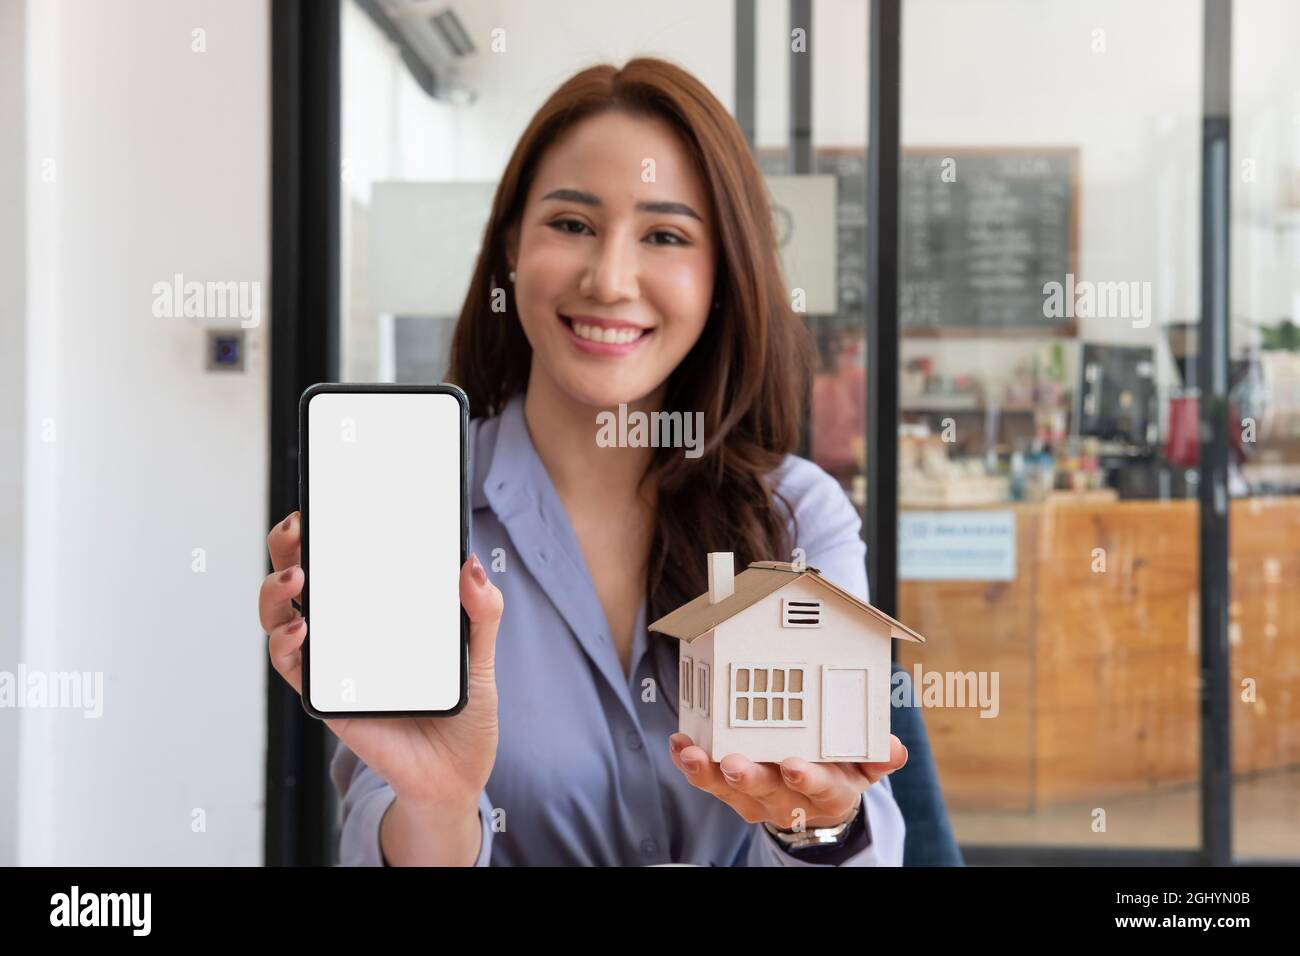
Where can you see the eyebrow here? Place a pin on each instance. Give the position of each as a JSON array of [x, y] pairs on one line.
[[590, 199]]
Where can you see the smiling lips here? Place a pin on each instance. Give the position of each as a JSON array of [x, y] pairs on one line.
[[600, 336]]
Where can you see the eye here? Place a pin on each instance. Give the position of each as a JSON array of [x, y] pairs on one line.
[[563, 225], [672, 237]]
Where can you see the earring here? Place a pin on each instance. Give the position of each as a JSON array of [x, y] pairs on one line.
[[512, 275]]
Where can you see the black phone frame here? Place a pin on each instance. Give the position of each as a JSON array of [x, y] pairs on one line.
[[304, 403]]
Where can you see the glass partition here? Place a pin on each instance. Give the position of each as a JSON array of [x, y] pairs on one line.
[[1264, 520], [1048, 290]]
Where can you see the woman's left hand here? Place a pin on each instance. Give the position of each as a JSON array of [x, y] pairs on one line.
[[826, 793]]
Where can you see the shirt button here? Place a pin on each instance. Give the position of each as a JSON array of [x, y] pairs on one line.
[[649, 846], [541, 553], [633, 740]]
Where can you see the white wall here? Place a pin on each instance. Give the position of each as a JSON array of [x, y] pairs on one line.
[[837, 44], [160, 161], [1266, 162], [13, 279], [1025, 73]]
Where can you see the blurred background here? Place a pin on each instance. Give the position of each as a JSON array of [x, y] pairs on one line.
[[1002, 220]]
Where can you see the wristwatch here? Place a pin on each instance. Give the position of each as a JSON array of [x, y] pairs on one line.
[[815, 836]]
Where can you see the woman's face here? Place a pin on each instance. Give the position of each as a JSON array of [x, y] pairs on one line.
[[614, 259]]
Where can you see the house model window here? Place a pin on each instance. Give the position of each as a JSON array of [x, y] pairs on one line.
[[703, 690], [795, 613], [685, 681], [768, 695]]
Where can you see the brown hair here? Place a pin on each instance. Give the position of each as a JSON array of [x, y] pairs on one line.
[[748, 373]]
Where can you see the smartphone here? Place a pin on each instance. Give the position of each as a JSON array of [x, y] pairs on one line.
[[383, 492]]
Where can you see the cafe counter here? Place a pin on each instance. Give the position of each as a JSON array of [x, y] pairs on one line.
[[1094, 635]]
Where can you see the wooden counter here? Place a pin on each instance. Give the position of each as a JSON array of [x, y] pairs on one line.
[[1099, 671]]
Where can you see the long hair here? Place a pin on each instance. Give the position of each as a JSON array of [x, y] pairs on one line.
[[748, 373]]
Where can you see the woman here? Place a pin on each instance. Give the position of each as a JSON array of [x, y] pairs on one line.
[[632, 229]]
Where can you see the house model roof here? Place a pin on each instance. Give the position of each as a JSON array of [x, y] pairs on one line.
[[753, 584]]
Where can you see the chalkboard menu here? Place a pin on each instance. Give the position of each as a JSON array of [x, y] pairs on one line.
[[981, 232], [849, 167]]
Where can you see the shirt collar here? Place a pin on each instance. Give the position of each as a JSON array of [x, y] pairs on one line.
[[513, 469]]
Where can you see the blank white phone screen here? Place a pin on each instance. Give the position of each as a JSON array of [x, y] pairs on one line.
[[383, 511]]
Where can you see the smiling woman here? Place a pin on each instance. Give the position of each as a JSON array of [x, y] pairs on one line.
[[629, 262], [635, 228]]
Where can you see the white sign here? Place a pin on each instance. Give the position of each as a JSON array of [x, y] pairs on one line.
[[957, 546], [803, 208]]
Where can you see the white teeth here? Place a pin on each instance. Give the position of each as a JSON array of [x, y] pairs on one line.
[[614, 336]]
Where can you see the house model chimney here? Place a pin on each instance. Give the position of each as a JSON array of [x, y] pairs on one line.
[[722, 576]]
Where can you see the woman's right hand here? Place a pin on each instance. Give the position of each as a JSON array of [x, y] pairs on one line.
[[436, 765]]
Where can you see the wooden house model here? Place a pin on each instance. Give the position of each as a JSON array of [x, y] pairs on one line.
[[779, 662]]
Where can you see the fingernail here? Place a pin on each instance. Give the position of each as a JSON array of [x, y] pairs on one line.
[[793, 776], [296, 625], [287, 521], [731, 777], [286, 576], [476, 570], [690, 763]]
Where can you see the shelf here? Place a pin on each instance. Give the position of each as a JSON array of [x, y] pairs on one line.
[[959, 404]]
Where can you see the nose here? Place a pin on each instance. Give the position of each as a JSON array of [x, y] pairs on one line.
[[611, 273]]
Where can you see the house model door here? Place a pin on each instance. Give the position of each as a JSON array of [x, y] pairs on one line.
[[844, 712]]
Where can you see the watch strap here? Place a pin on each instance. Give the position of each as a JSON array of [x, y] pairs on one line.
[[851, 837]]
